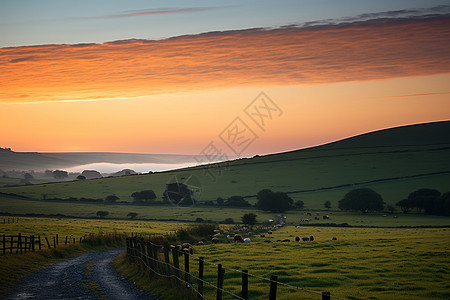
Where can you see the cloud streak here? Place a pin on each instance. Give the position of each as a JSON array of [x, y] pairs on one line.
[[293, 55]]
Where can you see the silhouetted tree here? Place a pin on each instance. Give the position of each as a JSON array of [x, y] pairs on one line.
[[423, 199], [249, 219], [81, 177], [132, 215], [364, 200], [111, 198], [91, 174], [327, 204], [28, 176], [220, 201], [58, 174], [143, 196], [178, 193], [273, 201], [102, 213], [237, 201], [299, 204]]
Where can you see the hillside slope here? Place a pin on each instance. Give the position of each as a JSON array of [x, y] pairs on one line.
[[394, 162]]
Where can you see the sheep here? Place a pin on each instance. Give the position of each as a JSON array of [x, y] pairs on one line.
[[316, 218], [268, 241], [269, 232], [262, 235], [286, 240], [247, 240], [297, 239], [214, 240], [305, 239], [311, 238], [326, 217], [334, 238], [200, 243], [238, 238]]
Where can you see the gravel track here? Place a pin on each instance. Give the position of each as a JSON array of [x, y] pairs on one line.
[[87, 276]]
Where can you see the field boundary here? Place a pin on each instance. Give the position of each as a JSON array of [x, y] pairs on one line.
[[148, 255]]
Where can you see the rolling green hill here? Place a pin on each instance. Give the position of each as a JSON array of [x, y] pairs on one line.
[[393, 162]]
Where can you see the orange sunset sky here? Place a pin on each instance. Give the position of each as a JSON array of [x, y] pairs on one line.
[[329, 78]]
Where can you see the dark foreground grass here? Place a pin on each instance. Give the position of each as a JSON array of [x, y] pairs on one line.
[[17, 266], [162, 287]]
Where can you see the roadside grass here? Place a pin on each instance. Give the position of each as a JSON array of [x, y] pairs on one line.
[[16, 266], [161, 287]]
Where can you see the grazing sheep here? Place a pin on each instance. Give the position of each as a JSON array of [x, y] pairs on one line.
[[334, 238], [316, 218], [238, 238], [214, 240], [268, 241], [188, 250], [305, 239], [278, 241], [216, 231], [297, 239], [269, 232], [186, 245], [311, 238], [262, 235], [247, 240], [286, 240], [326, 217], [200, 243]]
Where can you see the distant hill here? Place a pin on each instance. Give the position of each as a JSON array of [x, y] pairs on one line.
[[394, 162], [10, 160]]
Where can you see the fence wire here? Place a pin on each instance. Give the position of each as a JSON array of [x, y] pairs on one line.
[[206, 282]]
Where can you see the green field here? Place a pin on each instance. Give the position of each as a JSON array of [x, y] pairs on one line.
[[312, 175], [363, 263]]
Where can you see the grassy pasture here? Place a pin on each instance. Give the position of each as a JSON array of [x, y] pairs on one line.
[[218, 214], [366, 263], [288, 172]]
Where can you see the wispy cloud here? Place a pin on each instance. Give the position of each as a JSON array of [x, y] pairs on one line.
[[351, 51], [143, 12]]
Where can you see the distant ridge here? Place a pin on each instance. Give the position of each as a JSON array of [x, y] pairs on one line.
[[423, 134]]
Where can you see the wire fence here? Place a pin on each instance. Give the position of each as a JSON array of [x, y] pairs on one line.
[[163, 260]]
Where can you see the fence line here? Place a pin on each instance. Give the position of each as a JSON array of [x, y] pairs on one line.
[[146, 253], [15, 244]]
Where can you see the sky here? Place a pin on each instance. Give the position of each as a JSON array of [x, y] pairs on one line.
[[235, 78]]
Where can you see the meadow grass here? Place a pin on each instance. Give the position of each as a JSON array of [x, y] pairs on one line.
[[365, 263], [309, 169], [214, 213]]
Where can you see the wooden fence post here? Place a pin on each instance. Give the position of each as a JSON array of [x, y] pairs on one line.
[[25, 245], [48, 243], [166, 258], [200, 276], [54, 242], [245, 284], [273, 287], [65, 242], [57, 240], [220, 278], [186, 266], [176, 264], [19, 244], [326, 296]]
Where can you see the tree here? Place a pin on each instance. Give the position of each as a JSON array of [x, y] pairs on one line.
[[405, 205], [144, 196], [28, 176], [327, 204], [91, 174], [273, 201], [111, 198], [58, 174], [238, 201], [249, 219], [178, 193], [299, 204], [364, 200], [81, 177], [220, 201], [423, 199], [102, 213], [132, 215]]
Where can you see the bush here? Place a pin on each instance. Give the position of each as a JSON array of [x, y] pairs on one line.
[[237, 201], [228, 221]]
